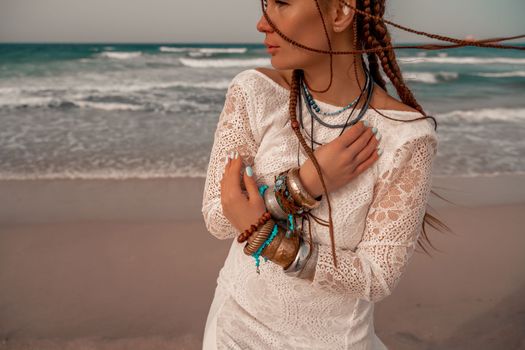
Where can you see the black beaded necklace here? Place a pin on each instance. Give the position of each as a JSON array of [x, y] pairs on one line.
[[369, 88]]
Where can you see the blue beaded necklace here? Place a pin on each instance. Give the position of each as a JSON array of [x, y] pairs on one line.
[[315, 107], [367, 91]]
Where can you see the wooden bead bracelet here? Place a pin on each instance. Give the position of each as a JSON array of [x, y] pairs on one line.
[[243, 237]]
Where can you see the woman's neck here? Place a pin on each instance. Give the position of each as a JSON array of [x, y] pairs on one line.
[[344, 88]]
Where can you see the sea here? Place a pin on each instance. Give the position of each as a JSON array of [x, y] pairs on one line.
[[117, 111]]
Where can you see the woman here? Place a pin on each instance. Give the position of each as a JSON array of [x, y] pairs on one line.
[[376, 179]]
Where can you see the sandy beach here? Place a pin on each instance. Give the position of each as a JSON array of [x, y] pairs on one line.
[[128, 264]]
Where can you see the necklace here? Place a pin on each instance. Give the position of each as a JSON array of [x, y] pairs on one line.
[[369, 87], [309, 98]]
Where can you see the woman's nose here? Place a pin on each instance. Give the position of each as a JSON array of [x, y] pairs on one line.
[[263, 26]]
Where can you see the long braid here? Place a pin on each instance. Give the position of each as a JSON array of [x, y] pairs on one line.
[[391, 68], [294, 92], [373, 65], [388, 58], [388, 61]]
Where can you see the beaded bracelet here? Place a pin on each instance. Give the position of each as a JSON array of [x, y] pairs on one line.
[[264, 220], [249, 231], [261, 221]]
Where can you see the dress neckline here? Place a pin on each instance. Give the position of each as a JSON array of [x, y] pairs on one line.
[[321, 103]]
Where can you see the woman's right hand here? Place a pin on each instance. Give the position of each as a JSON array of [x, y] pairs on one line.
[[341, 160]]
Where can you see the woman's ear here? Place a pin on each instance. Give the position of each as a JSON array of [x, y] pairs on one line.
[[342, 14]]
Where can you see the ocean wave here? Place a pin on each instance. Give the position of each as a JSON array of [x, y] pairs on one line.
[[51, 102], [110, 174], [430, 77], [199, 54], [27, 102], [223, 63], [22, 95], [485, 114], [462, 60], [108, 106], [121, 55], [204, 50], [106, 102], [224, 50], [219, 85], [174, 49], [514, 74]]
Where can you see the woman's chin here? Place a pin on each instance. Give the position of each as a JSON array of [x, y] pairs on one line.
[[279, 65]]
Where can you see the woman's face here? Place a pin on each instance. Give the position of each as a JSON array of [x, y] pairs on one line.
[[300, 21]]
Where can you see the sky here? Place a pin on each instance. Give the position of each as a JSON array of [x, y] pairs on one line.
[[229, 21]]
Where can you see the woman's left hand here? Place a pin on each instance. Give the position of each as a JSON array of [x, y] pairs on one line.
[[241, 211]]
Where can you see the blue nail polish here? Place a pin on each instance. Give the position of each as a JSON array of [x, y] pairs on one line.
[[379, 151], [374, 129], [249, 171], [365, 122]]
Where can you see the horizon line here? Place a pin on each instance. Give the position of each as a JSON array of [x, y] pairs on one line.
[[187, 43]]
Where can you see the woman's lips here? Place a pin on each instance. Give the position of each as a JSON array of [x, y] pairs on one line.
[[271, 48], [269, 45]]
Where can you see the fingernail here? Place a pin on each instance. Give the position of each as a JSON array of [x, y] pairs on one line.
[[365, 122], [374, 129], [231, 155], [378, 136], [379, 151], [236, 154], [249, 171]]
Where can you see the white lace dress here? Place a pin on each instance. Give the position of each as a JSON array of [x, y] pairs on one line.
[[377, 219]]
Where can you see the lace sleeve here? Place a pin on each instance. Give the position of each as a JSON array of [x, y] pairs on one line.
[[234, 132], [393, 225]]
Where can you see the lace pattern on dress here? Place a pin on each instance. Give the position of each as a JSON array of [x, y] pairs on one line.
[[233, 133], [393, 225]]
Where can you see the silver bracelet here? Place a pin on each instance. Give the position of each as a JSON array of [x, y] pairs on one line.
[[272, 205], [300, 259]]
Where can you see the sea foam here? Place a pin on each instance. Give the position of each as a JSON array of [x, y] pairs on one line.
[[222, 63], [121, 55]]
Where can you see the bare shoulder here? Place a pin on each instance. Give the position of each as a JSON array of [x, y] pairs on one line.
[[394, 104], [382, 100], [281, 77]]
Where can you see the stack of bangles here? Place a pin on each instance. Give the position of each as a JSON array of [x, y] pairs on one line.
[[275, 235]]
